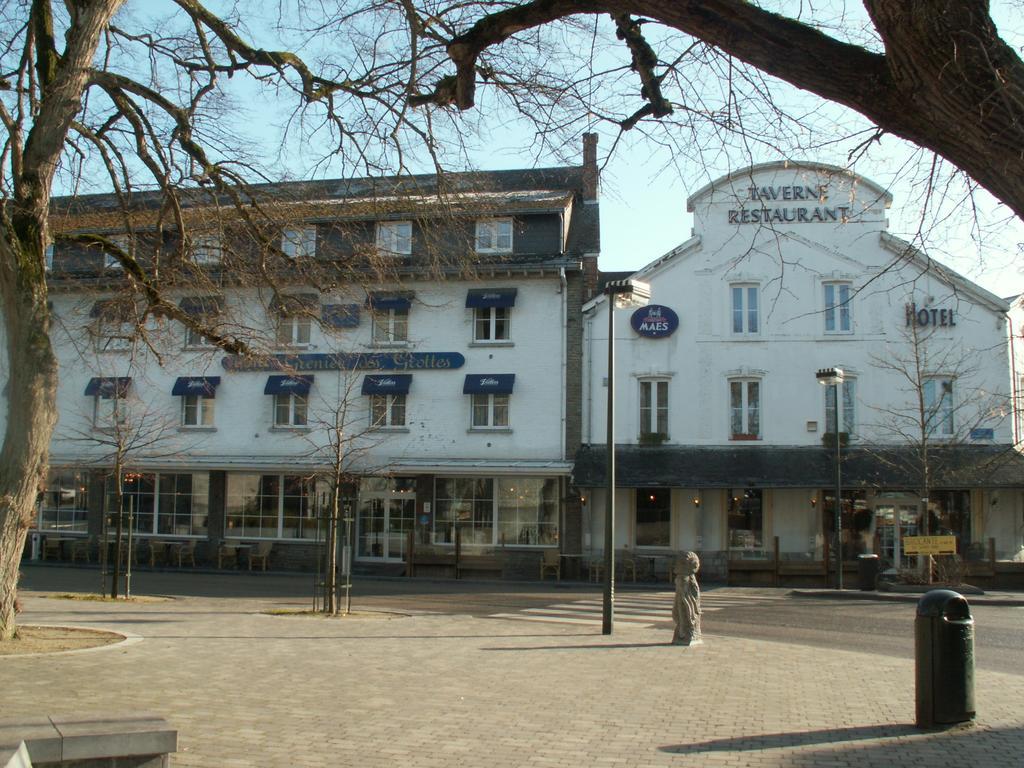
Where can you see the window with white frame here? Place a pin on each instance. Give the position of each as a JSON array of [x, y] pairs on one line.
[[122, 243], [387, 411], [390, 326], [195, 340], [48, 257], [196, 411], [491, 323], [207, 249], [64, 505], [837, 307], [848, 422], [744, 409], [489, 411], [291, 410], [745, 313], [938, 404], [113, 334], [293, 330], [164, 503], [298, 242], [654, 408], [270, 506], [495, 511], [394, 238], [109, 411], [494, 236]]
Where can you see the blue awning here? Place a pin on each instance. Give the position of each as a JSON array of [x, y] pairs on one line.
[[401, 300], [202, 305], [489, 384], [288, 385], [491, 297], [205, 386], [341, 315], [387, 384], [108, 386]]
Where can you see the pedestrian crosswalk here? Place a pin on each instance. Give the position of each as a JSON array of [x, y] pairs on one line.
[[642, 609]]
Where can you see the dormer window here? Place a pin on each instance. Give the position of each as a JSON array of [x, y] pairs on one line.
[[494, 236], [299, 242], [394, 238], [207, 249], [110, 261]]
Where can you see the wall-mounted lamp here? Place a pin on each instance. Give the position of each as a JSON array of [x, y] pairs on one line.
[[814, 501], [696, 501]]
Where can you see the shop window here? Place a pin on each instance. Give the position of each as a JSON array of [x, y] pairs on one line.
[[653, 517], [745, 317], [298, 242], [505, 511], [745, 409], [848, 423], [653, 410], [390, 326], [491, 323], [387, 411], [64, 505], [494, 236], [270, 506], [394, 238], [196, 411], [165, 503], [856, 520], [291, 410], [489, 411], [466, 502], [746, 522], [938, 404], [837, 308]]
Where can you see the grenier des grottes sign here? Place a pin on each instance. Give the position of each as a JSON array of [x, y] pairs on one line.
[[654, 321]]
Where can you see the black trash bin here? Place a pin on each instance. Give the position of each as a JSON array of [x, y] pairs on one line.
[[944, 659], [867, 572]]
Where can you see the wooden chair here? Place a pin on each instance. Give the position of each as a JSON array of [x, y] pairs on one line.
[[628, 565], [52, 548], [260, 554], [157, 551], [551, 562], [595, 568], [227, 553], [187, 551], [81, 548]]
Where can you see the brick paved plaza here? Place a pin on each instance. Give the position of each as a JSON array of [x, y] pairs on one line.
[[245, 688]]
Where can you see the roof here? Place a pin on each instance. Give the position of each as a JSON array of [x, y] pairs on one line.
[[957, 466]]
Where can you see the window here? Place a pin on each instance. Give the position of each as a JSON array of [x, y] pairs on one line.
[[744, 309], [745, 409], [291, 410], [746, 529], [113, 334], [847, 424], [48, 257], [494, 236], [394, 237], [195, 340], [270, 506], [196, 411], [489, 411], [109, 411], [293, 330], [653, 517], [390, 326], [491, 323], [387, 411], [837, 308], [654, 409], [207, 249], [121, 242], [64, 505], [496, 511], [299, 242], [938, 404], [170, 504]]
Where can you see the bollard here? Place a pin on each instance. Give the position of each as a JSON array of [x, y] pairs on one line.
[[944, 659], [867, 572]]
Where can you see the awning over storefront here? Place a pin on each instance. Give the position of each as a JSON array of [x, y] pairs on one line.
[[951, 466], [107, 387], [204, 386], [288, 385], [489, 384], [202, 306], [491, 297], [400, 300], [387, 384], [341, 315]]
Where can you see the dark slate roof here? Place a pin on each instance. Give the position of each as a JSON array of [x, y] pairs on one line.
[[959, 466]]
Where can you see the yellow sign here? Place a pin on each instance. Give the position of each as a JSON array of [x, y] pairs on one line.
[[929, 545]]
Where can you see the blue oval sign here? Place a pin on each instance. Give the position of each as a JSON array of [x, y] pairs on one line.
[[654, 321]]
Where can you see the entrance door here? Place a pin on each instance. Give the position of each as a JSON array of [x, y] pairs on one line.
[[890, 539], [386, 514]]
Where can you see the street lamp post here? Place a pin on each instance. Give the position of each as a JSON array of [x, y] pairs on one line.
[[624, 293], [833, 377]]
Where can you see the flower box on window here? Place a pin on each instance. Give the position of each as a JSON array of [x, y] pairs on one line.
[[745, 436]]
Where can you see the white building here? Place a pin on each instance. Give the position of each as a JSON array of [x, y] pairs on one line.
[[447, 359], [724, 436]]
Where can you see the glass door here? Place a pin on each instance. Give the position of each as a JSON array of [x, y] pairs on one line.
[[889, 537], [385, 515]]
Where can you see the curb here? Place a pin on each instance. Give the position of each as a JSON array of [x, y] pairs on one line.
[[901, 597]]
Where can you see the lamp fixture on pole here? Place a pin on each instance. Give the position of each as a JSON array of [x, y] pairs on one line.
[[621, 293], [833, 377]]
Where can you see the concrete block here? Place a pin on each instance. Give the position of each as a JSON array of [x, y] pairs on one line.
[[111, 736], [41, 739]]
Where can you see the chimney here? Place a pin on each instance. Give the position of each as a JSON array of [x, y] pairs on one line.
[[591, 175]]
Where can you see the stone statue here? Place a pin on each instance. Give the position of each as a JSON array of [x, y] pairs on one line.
[[686, 607]]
